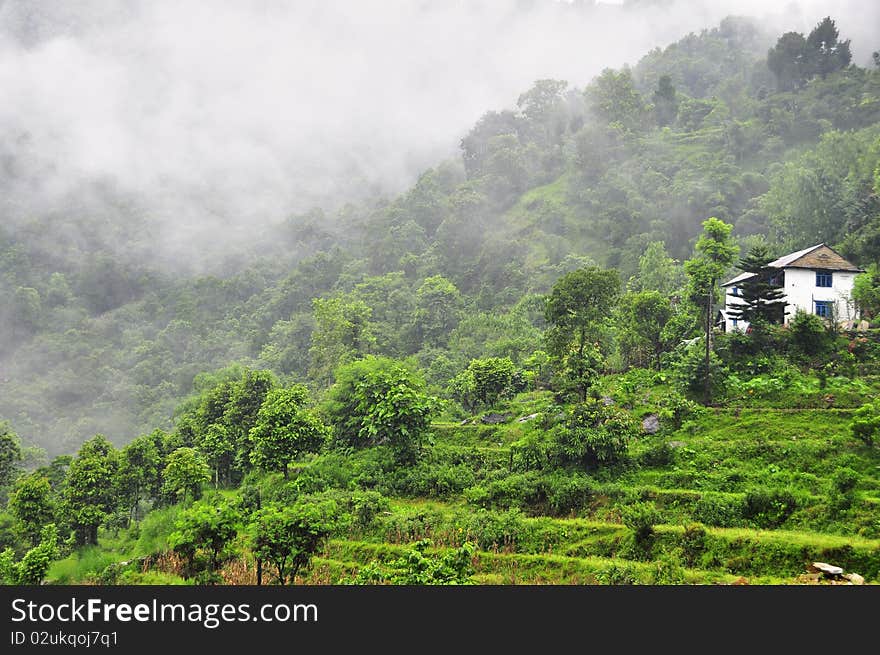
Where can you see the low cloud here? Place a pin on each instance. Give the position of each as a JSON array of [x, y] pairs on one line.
[[244, 112]]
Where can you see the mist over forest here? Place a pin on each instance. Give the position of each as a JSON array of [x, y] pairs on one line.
[[214, 122], [429, 292], [179, 182]]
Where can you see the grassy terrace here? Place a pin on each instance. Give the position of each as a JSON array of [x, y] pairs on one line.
[[742, 495]]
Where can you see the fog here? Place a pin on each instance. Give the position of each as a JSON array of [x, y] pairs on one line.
[[248, 111]]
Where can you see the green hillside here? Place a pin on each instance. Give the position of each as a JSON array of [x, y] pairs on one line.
[[508, 374]]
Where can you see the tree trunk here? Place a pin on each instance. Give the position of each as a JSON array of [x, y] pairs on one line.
[[707, 391]]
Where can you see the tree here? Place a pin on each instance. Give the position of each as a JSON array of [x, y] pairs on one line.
[[26, 310], [223, 417], [613, 98], [714, 253], [287, 537], [483, 382], [342, 333], [594, 434], [207, 526], [794, 59], [58, 292], [438, 310], [761, 301], [10, 454], [285, 430], [658, 271], [378, 400], [89, 494], [543, 109], [809, 337], [665, 101], [31, 506], [643, 316], [865, 423], [475, 145], [825, 53], [33, 566], [578, 304], [184, 473], [866, 290], [218, 447], [788, 61], [138, 472]]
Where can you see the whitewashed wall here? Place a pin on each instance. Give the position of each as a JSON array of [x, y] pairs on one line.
[[802, 292]]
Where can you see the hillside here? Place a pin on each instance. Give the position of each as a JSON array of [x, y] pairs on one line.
[[101, 341], [732, 495], [509, 373]]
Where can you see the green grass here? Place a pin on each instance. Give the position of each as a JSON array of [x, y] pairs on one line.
[[758, 480], [84, 565]]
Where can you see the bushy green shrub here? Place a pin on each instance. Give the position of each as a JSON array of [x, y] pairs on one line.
[[496, 530], [865, 423], [808, 336], [845, 479], [595, 434], [690, 373], [658, 454], [509, 491], [641, 519], [721, 511], [768, 508], [674, 409], [430, 479], [366, 506], [693, 543], [569, 492]]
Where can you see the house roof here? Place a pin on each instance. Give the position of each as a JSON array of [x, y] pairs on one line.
[[738, 278], [820, 256]]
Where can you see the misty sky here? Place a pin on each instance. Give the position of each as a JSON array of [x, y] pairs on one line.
[[259, 108]]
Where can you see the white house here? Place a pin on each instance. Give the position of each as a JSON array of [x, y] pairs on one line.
[[816, 280]]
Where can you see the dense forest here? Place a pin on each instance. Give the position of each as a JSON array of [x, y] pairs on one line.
[[504, 374]]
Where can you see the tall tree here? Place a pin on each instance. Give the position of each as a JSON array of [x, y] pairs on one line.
[[438, 310], [643, 316], [762, 302], [89, 494], [10, 454], [342, 333], [378, 400], [613, 98], [184, 473], [285, 430], [658, 271], [665, 101], [787, 61], [866, 290], [31, 506], [825, 52], [579, 303], [714, 253], [543, 108], [138, 472], [208, 527], [287, 537]]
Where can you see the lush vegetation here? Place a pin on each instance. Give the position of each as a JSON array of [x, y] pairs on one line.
[[507, 374]]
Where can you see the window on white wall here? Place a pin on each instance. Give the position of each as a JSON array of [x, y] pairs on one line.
[[823, 278]]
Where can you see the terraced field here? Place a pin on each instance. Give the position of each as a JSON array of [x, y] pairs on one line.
[[732, 496]]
